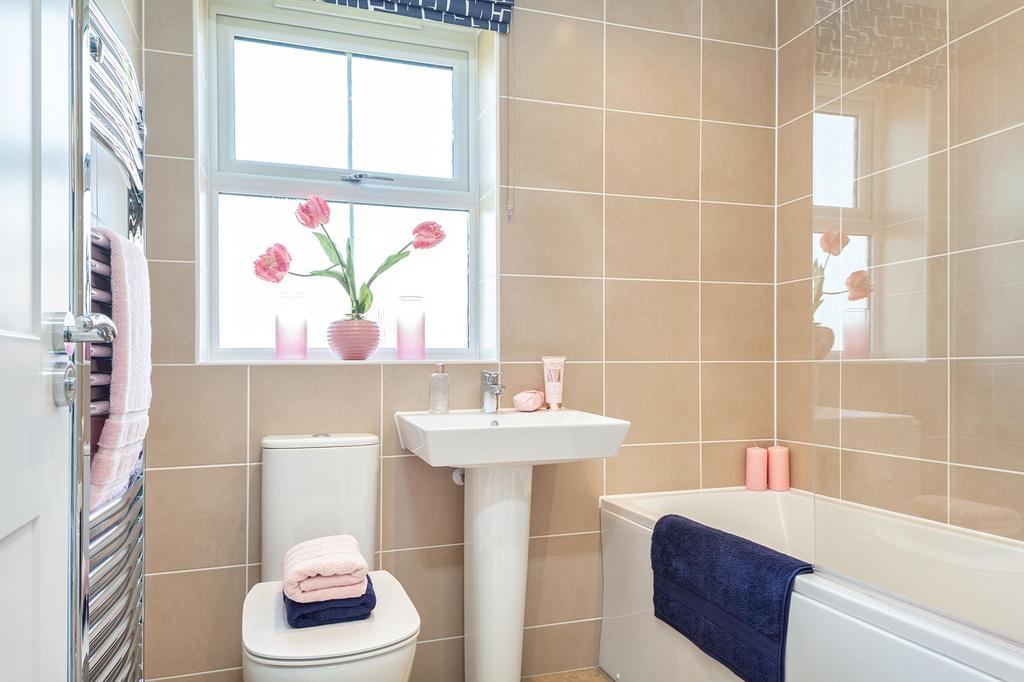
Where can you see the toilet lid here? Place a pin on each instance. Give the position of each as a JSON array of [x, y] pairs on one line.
[[266, 633]]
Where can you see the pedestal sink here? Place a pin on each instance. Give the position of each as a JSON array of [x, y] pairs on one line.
[[498, 451]]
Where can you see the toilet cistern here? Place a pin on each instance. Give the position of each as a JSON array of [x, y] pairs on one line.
[[490, 389]]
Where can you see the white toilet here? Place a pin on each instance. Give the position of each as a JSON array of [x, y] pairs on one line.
[[313, 486]]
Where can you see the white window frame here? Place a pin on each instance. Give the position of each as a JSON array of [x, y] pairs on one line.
[[343, 31]]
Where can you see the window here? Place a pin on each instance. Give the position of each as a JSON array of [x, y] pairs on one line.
[[835, 160], [299, 108], [849, 320]]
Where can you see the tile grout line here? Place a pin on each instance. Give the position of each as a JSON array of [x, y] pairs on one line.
[[248, 469], [949, 259], [604, 230], [700, 259]]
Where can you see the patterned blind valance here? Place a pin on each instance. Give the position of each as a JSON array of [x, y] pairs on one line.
[[493, 15]]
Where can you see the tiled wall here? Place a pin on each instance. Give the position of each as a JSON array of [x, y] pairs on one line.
[[641, 247], [931, 421]]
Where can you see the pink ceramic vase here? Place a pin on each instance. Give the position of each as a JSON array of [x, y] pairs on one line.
[[353, 338]]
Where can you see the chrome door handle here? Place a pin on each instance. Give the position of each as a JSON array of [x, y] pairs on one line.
[[91, 328], [64, 378]]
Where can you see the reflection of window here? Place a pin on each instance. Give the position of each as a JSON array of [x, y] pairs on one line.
[[835, 160], [848, 319]]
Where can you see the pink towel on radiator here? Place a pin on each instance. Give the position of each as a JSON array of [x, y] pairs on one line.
[[324, 568], [120, 442]]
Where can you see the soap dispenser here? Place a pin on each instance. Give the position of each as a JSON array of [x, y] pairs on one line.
[[438, 398]]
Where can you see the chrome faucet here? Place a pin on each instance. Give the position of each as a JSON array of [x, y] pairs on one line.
[[490, 389]]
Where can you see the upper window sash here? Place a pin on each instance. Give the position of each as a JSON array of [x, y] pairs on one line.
[[229, 28]]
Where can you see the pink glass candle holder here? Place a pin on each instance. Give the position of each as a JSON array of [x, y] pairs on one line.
[[290, 339], [410, 323]]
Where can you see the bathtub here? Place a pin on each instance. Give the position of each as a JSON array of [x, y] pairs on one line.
[[838, 630]]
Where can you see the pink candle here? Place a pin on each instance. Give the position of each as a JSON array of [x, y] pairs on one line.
[[757, 468], [778, 467], [411, 328]]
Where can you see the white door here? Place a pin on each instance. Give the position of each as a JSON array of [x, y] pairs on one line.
[[35, 229]]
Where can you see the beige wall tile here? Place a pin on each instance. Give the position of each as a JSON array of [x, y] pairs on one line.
[[558, 59], [795, 16], [651, 238], [187, 640], [986, 403], [864, 15], [169, 104], [796, 78], [347, 401], [255, 513], [989, 501], [798, 221], [808, 402], [583, 388], [794, 326], [569, 646], [406, 388], [738, 84], [652, 156], [986, 78], [172, 292], [661, 401], [896, 408], [907, 114], [738, 164], [736, 243], [986, 202], [723, 464], [814, 468], [908, 310], [737, 401], [433, 579], [986, 286], [553, 233], [652, 72], [197, 416], [908, 486], [651, 320], [906, 210], [565, 497], [550, 316], [420, 505], [673, 16], [967, 15], [564, 579], [590, 9], [195, 518], [653, 468], [169, 25], [557, 147], [736, 320], [170, 209], [439, 660], [795, 161], [741, 21]]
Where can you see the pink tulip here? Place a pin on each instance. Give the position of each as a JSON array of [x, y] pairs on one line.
[[833, 242], [313, 212], [273, 265], [427, 235], [858, 285]]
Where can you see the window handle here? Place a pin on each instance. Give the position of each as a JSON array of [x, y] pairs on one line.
[[359, 177]]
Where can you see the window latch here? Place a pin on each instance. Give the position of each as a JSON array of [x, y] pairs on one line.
[[359, 177]]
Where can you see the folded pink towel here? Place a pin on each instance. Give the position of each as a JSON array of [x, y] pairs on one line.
[[120, 442], [324, 568]]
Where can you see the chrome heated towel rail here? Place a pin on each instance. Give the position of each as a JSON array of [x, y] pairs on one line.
[[108, 542]]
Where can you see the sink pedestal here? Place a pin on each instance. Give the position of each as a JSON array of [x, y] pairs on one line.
[[497, 550]]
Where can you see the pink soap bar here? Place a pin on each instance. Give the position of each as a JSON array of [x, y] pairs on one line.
[[778, 467], [757, 468], [528, 401]]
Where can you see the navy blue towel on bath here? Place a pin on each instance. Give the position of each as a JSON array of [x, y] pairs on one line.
[[726, 594], [332, 610]]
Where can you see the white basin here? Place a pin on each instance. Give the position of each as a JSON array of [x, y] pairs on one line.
[[498, 451], [470, 438]]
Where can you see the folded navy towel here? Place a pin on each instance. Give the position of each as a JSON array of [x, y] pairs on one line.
[[332, 610], [726, 594]]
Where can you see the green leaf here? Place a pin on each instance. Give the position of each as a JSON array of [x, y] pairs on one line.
[[341, 279], [328, 246], [365, 299], [388, 262]]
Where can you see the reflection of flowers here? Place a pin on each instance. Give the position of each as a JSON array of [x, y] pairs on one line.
[[858, 284]]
